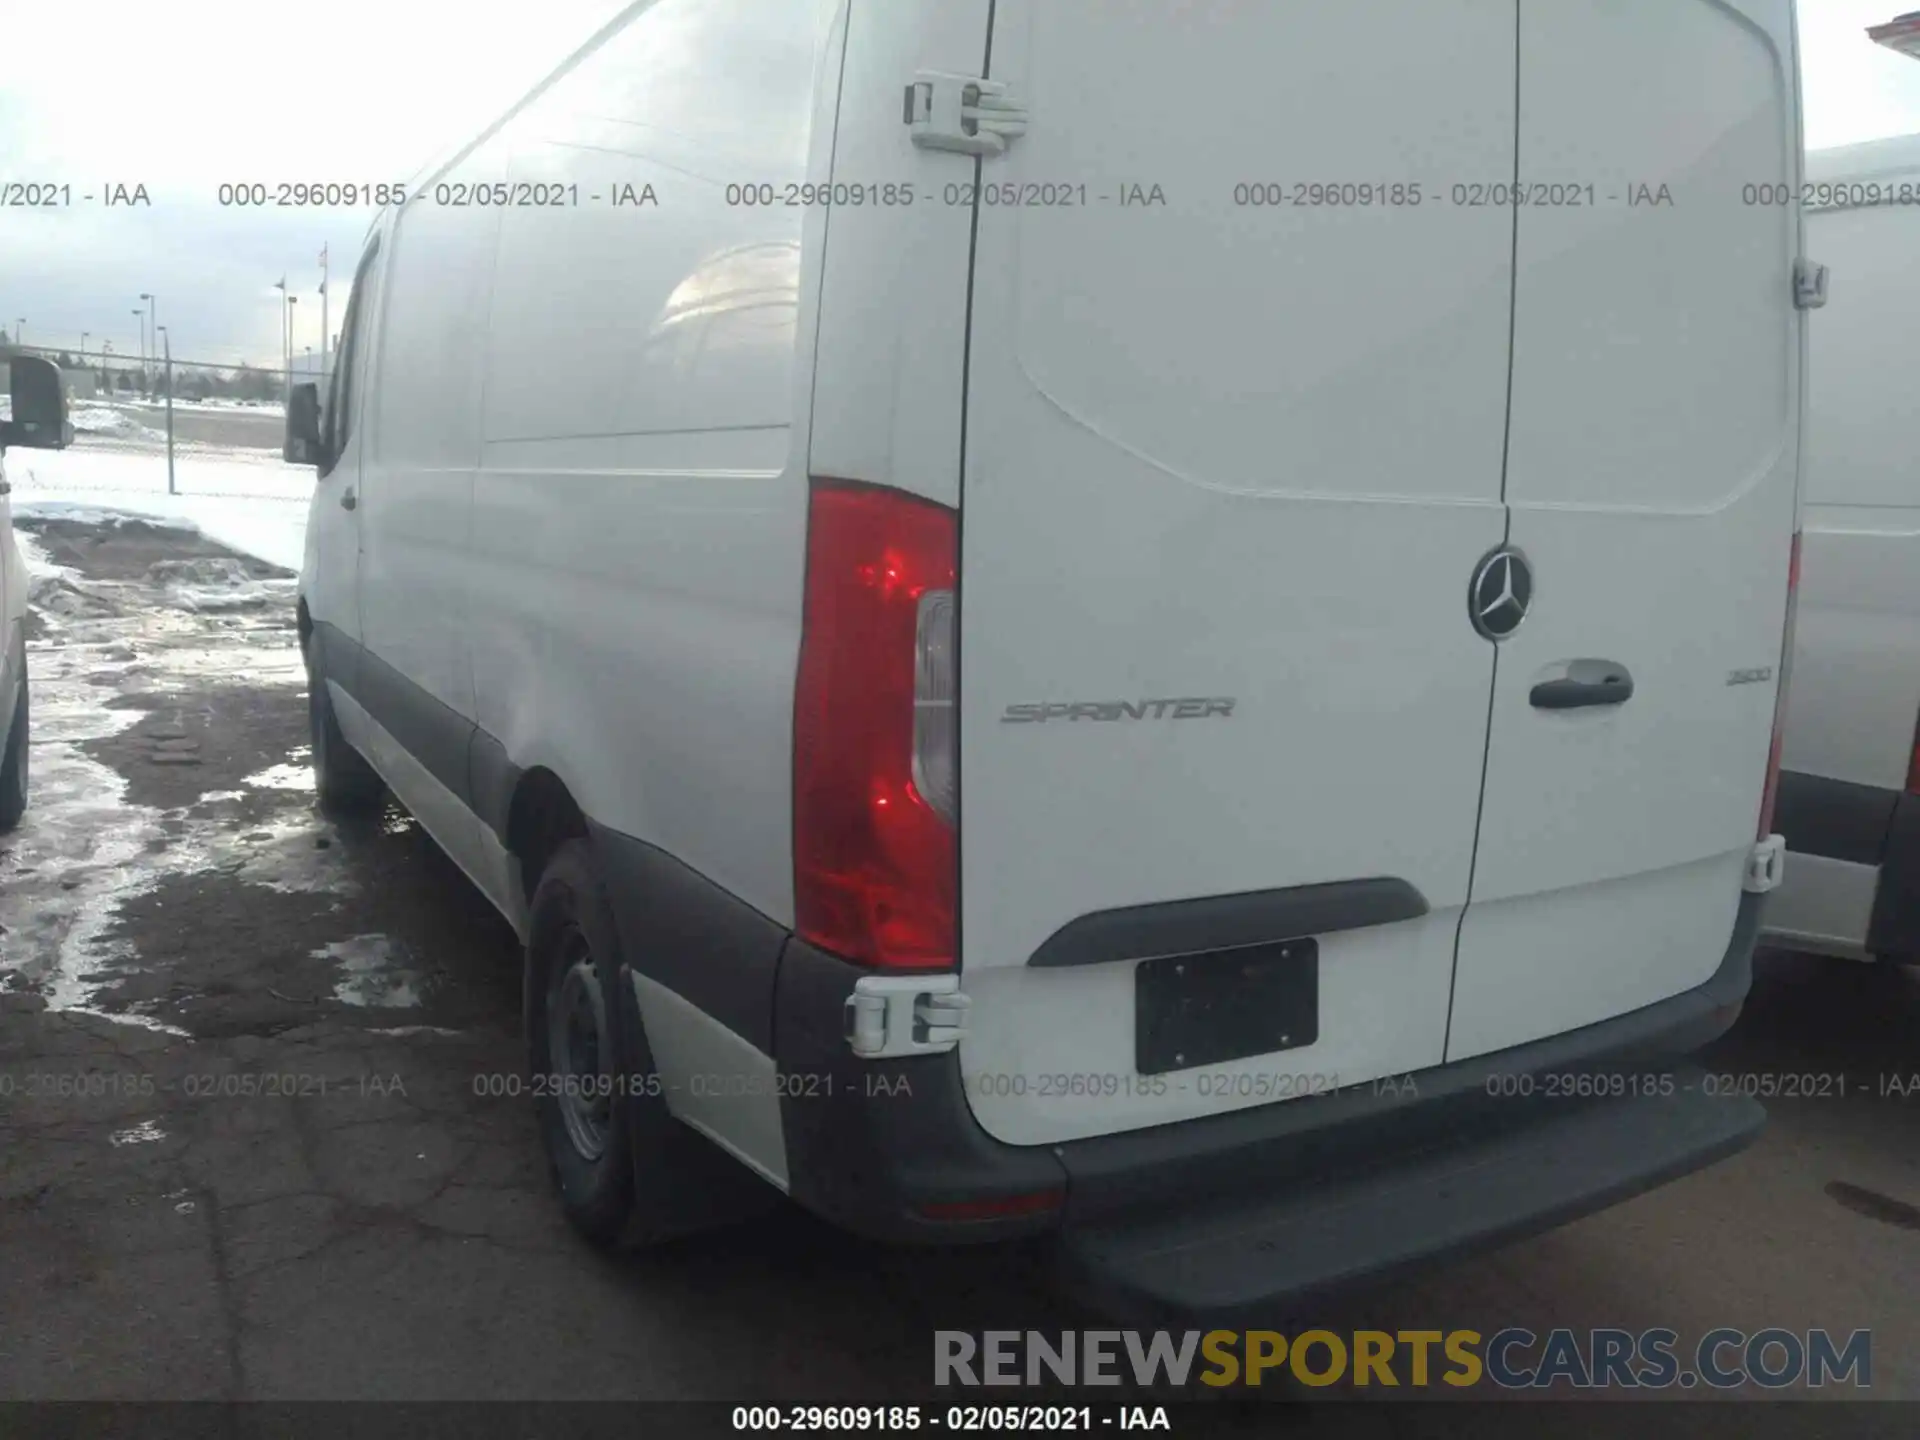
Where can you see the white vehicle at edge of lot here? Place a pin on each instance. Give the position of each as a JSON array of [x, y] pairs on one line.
[[1012, 671], [1850, 771], [36, 419]]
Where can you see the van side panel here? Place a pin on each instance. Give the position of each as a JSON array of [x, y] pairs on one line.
[[639, 510], [423, 438], [1856, 668], [890, 362], [1855, 698]]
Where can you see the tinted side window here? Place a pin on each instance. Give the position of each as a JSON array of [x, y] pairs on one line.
[[340, 398]]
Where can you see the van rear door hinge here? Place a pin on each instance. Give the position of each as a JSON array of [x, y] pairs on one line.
[[905, 1015], [1766, 865], [962, 113], [1809, 285]]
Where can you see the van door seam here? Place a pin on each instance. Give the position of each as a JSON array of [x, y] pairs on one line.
[[826, 232], [960, 543], [1506, 538]]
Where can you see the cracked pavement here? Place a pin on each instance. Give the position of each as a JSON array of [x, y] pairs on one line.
[[247, 1149]]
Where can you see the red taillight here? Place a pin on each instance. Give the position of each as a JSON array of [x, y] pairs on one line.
[[875, 863], [1772, 790]]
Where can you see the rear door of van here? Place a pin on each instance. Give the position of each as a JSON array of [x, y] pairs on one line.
[[1233, 448], [1253, 299], [1652, 464]]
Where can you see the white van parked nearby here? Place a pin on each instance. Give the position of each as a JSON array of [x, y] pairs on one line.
[[1187, 665], [36, 419], [1850, 782]]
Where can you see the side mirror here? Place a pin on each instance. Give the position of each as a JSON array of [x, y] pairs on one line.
[[39, 419], [303, 445]]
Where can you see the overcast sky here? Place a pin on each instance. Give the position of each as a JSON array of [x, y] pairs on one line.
[[182, 96]]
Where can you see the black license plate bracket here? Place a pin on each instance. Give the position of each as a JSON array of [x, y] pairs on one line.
[[1221, 1005]]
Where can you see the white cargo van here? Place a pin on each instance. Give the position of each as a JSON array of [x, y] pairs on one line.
[[1850, 778], [36, 419], [1148, 622]]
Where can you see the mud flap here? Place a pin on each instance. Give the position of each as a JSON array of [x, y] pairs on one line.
[[683, 1183]]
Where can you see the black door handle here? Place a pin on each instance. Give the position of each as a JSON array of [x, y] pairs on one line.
[[347, 502], [1586, 683]]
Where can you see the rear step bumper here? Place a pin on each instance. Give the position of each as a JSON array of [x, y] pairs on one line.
[[1394, 1176], [1235, 1262]]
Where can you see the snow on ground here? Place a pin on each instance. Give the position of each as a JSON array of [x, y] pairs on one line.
[[255, 506], [159, 405], [105, 420], [244, 407]]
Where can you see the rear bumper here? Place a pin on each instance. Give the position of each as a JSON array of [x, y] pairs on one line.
[[1237, 1259], [1235, 1212], [1868, 884]]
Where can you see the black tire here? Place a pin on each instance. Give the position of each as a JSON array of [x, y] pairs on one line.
[[13, 769], [573, 978], [343, 782], [650, 1178]]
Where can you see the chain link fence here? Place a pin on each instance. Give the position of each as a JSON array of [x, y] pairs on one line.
[[227, 425]]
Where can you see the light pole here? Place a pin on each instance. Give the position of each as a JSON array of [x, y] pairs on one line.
[[160, 334], [287, 383], [323, 308], [153, 319], [292, 300], [139, 317], [20, 333]]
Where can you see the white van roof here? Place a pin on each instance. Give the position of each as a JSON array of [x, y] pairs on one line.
[[453, 154], [1895, 156]]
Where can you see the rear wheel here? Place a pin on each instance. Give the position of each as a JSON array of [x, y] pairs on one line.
[[628, 1173], [343, 781], [588, 1078], [13, 768]]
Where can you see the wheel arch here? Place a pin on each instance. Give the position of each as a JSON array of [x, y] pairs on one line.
[[541, 817]]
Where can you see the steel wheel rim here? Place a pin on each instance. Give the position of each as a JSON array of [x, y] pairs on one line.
[[578, 1043]]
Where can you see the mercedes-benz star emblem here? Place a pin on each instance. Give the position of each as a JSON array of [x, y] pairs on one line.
[[1502, 589]]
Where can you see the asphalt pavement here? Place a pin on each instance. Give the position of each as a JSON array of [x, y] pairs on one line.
[[252, 1144]]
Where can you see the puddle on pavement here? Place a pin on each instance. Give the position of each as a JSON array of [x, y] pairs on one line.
[[374, 973], [295, 774], [84, 849], [293, 852]]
